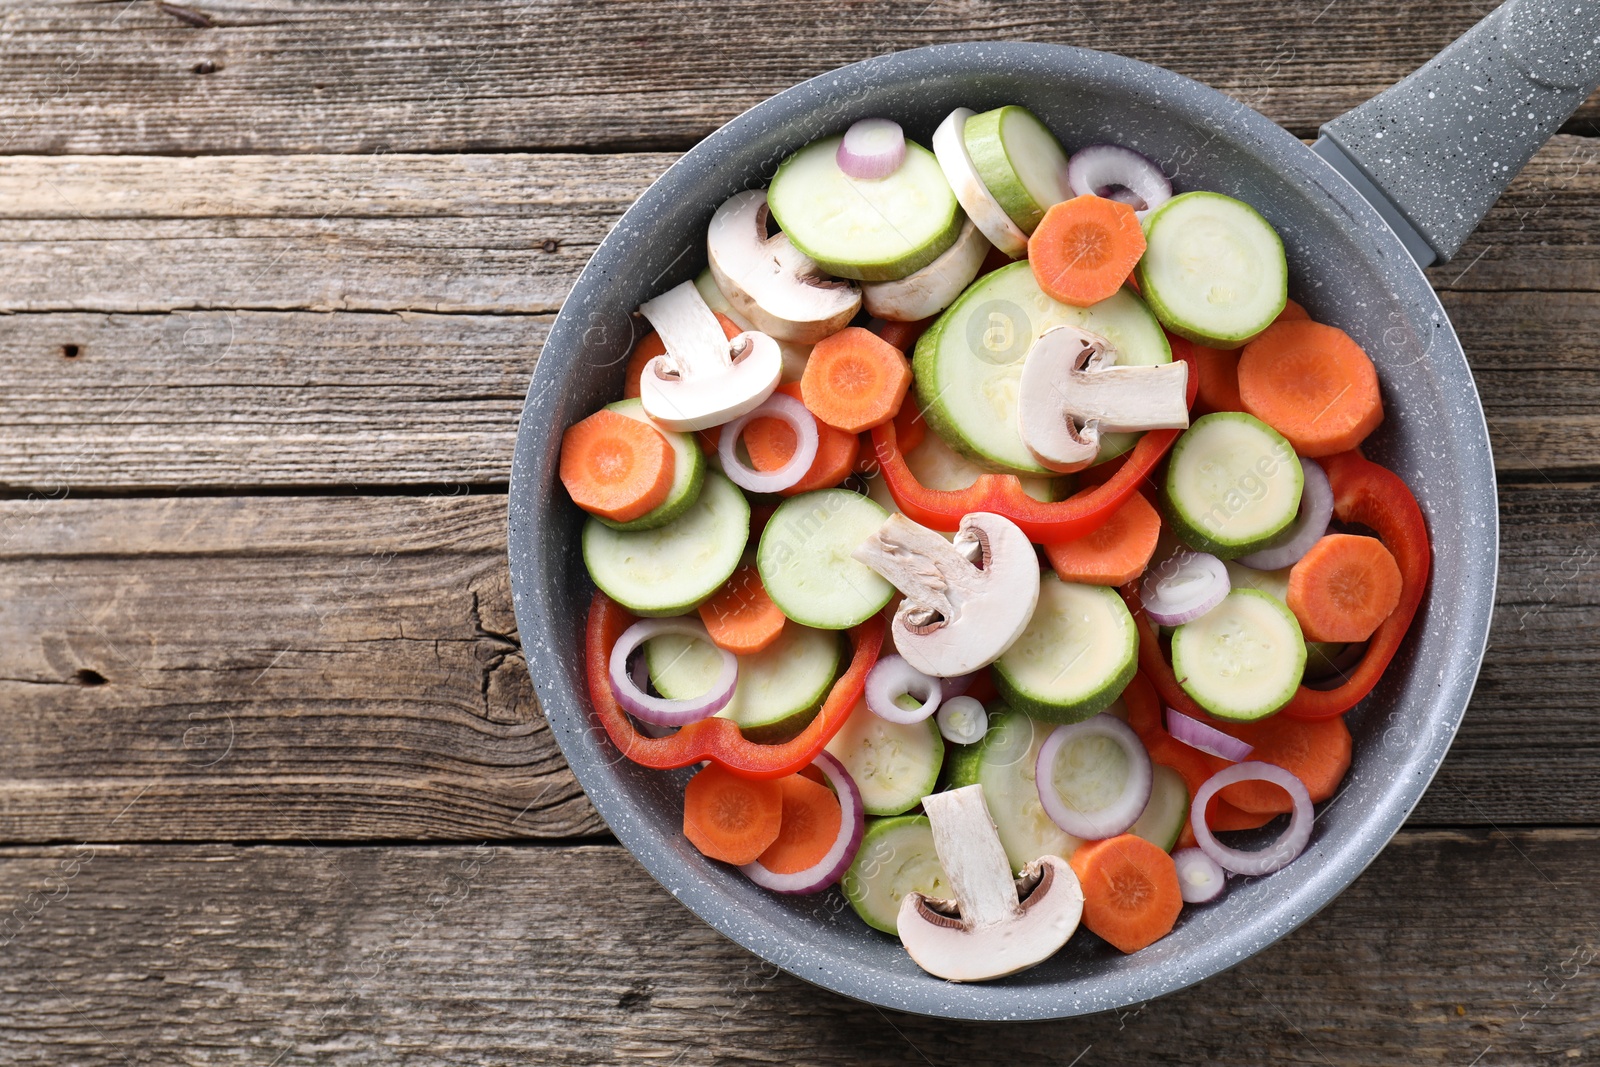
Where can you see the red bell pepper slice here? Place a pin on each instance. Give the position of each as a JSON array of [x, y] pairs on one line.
[[1044, 523], [719, 740], [1364, 494]]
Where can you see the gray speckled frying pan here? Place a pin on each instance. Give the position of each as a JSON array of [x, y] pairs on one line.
[[1390, 187]]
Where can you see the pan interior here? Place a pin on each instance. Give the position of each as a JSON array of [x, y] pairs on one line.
[[1345, 267]]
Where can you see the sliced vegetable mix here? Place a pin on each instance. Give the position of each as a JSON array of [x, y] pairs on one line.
[[999, 637]]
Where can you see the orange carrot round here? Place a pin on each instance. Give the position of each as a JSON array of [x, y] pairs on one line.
[[771, 442], [1315, 751], [740, 616], [1313, 384], [1130, 891], [1291, 310], [616, 467], [1116, 553], [855, 380], [1343, 588], [1218, 373], [650, 346], [730, 818], [808, 829], [1085, 248]]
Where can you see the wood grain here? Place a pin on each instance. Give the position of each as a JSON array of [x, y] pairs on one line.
[[496, 75], [289, 668], [352, 956], [492, 234]]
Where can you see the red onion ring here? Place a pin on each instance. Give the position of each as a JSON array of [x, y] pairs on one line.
[[1205, 737], [1310, 523], [1183, 587], [892, 677], [1200, 878], [659, 710], [957, 686], [1275, 856], [1121, 813], [1106, 169], [777, 406], [963, 720], [827, 870], [872, 149]]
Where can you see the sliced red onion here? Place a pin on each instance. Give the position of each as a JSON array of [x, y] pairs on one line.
[[777, 406], [1281, 852], [957, 686], [1310, 523], [659, 710], [1119, 812], [1200, 878], [891, 678], [1108, 169], [872, 149], [827, 870], [1207, 738], [639, 674], [963, 720], [1183, 587]]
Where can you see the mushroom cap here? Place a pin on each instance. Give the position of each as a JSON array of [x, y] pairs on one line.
[[1050, 434], [698, 403], [776, 286], [933, 288], [992, 600], [944, 945]]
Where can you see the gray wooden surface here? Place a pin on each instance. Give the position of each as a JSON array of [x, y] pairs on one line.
[[275, 786]]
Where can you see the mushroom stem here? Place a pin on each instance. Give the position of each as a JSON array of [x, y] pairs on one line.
[[689, 331], [969, 849]]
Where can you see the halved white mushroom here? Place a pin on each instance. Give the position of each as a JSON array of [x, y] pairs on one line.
[[966, 600], [1070, 393], [995, 926], [770, 281], [704, 379], [950, 148], [934, 287]]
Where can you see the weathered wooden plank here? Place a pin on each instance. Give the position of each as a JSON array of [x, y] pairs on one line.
[[281, 667], [1453, 946], [313, 75], [489, 233], [257, 668], [228, 399]]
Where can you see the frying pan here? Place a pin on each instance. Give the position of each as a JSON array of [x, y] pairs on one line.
[[1389, 187]]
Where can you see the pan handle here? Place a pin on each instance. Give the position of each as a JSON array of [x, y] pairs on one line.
[[1433, 152]]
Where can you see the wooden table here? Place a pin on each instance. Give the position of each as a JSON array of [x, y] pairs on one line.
[[275, 786]]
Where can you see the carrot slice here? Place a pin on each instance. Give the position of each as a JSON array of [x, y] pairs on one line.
[[1084, 249], [771, 442], [740, 616], [808, 829], [1218, 372], [1130, 890], [1313, 384], [1192, 765], [1116, 553], [650, 346], [730, 818], [855, 380], [1317, 751], [1343, 588], [616, 467], [1291, 311]]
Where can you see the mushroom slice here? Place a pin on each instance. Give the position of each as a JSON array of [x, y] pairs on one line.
[[704, 379], [1070, 393], [966, 600], [934, 287], [770, 281], [995, 926]]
